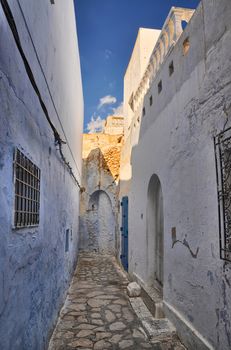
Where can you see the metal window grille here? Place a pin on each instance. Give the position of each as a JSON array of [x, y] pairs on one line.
[[27, 191], [223, 166]]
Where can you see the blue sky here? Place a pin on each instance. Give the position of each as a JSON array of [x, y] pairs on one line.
[[107, 31]]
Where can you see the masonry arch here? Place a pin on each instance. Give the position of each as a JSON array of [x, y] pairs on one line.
[[155, 234], [101, 223]]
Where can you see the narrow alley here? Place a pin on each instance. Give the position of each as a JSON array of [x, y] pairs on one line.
[[115, 175], [97, 313]]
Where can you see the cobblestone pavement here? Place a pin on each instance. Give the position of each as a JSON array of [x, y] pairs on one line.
[[97, 313]]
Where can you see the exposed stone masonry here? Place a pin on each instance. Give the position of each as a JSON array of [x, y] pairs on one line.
[[109, 147], [99, 201]]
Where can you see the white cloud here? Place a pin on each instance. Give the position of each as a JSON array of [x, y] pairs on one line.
[[95, 125], [106, 100], [118, 110]]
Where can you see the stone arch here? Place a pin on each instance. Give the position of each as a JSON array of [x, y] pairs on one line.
[[101, 223], [155, 233]]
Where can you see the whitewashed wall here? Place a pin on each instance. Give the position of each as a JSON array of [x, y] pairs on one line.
[[175, 141], [146, 39], [35, 270]]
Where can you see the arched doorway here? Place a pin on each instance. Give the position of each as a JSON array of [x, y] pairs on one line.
[[101, 223], [155, 234]]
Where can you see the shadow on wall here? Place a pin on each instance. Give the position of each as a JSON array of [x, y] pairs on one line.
[[98, 207], [155, 234]]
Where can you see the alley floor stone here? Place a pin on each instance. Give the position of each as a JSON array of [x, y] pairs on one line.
[[97, 314]]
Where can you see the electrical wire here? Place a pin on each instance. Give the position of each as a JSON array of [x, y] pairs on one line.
[[48, 87], [58, 140]]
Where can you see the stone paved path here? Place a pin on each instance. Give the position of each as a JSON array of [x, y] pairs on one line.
[[97, 314]]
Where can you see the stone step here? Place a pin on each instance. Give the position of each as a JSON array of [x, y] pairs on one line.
[[154, 303], [152, 298], [156, 329]]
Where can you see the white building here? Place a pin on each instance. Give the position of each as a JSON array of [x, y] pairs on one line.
[[41, 104], [114, 125], [178, 240]]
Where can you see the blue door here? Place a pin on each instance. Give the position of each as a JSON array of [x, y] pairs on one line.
[[124, 233]]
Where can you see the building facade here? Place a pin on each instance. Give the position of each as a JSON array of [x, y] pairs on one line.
[[175, 171], [41, 114], [114, 125]]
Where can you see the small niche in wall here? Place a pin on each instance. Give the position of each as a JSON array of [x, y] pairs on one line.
[[171, 68], [184, 24], [131, 102], [186, 46], [173, 234], [159, 86], [52, 2], [150, 100], [143, 112], [67, 240]]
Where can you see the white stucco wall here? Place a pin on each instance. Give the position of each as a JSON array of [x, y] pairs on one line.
[[175, 141], [143, 47], [54, 35], [35, 270]]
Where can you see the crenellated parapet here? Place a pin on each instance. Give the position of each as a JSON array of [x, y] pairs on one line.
[[169, 35]]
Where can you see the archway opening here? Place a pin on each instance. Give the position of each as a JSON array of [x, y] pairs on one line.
[[101, 223], [155, 234]]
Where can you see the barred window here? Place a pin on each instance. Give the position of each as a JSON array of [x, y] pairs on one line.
[[27, 191], [223, 164]]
